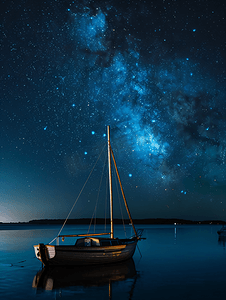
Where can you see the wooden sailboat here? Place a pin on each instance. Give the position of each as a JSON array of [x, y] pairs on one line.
[[91, 249]]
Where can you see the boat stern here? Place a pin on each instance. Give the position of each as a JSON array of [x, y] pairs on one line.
[[37, 253], [44, 252]]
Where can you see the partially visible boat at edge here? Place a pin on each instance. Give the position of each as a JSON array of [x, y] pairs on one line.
[[222, 232], [92, 249]]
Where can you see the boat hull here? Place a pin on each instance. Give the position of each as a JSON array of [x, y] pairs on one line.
[[72, 255]]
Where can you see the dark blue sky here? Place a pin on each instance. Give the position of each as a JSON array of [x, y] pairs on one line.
[[152, 70]]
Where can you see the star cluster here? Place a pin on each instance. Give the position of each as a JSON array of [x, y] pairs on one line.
[[152, 70]]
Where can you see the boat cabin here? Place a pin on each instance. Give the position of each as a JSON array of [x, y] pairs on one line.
[[100, 242], [87, 242]]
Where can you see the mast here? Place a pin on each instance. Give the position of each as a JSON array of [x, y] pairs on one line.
[[110, 181]]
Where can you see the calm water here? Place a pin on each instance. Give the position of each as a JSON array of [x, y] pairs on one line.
[[178, 262]]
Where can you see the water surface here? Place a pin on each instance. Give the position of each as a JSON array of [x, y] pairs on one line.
[[178, 262]]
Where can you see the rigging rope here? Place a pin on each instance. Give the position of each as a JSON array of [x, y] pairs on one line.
[[78, 196], [120, 205], [95, 209], [106, 205]]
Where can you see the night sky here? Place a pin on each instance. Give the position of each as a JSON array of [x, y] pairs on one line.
[[152, 70]]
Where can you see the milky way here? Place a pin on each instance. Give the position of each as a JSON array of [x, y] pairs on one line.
[[152, 71]]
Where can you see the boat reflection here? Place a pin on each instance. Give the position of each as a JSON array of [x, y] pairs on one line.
[[222, 241], [54, 278]]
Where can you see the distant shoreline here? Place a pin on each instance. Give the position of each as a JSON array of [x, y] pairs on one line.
[[118, 221]]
